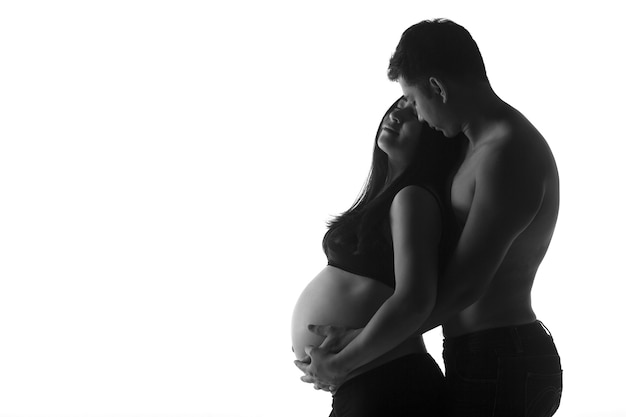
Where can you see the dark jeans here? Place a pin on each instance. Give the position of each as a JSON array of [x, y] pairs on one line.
[[408, 386], [508, 371]]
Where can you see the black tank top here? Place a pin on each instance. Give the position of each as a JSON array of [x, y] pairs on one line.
[[374, 259]]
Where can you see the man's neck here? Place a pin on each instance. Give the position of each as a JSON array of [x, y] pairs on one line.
[[482, 109]]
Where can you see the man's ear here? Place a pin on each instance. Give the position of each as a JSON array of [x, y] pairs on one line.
[[438, 88]]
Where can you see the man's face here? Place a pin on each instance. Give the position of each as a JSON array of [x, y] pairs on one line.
[[429, 109]]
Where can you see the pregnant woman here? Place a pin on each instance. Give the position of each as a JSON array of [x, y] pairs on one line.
[[384, 255]]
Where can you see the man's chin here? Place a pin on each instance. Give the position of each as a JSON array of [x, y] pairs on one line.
[[449, 133], [440, 130], [443, 132]]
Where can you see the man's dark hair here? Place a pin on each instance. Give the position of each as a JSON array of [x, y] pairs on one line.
[[436, 48]]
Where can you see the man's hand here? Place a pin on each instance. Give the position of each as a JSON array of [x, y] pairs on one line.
[[335, 338], [323, 373]]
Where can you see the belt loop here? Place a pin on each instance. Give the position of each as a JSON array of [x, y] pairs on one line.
[[517, 340]]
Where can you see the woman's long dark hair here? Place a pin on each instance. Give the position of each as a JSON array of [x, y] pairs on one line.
[[435, 160]]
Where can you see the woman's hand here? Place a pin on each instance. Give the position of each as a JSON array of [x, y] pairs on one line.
[[318, 385], [319, 369]]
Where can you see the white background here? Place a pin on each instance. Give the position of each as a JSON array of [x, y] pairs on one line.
[[167, 169]]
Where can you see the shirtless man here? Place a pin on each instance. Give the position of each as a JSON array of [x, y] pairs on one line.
[[500, 361]]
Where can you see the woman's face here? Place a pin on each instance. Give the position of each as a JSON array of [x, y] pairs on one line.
[[400, 132]]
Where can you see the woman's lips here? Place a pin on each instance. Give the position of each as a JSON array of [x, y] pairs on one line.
[[389, 128]]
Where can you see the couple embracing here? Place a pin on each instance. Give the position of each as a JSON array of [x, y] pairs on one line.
[[454, 220]]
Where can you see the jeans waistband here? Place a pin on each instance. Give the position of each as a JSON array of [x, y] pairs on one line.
[[511, 338]]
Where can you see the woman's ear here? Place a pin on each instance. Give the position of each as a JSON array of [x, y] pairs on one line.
[[438, 88]]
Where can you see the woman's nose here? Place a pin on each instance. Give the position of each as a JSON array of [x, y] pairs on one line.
[[393, 116]]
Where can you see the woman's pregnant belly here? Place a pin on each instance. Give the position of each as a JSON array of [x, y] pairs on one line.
[[339, 298]]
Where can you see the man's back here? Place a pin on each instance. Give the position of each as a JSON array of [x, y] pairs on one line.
[[513, 152]]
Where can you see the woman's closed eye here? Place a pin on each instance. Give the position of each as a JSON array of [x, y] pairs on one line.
[[409, 112], [405, 107]]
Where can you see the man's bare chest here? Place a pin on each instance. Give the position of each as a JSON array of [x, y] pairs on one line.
[[463, 187]]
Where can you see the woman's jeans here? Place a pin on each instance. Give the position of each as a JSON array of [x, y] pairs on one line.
[[509, 371], [408, 386]]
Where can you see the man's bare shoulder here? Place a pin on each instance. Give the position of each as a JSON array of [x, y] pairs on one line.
[[512, 166], [512, 142]]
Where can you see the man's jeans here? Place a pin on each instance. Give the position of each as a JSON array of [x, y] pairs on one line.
[[509, 371]]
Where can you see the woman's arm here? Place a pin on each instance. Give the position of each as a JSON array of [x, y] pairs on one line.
[[416, 231]]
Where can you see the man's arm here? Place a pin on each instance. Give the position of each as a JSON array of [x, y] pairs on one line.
[[509, 191]]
